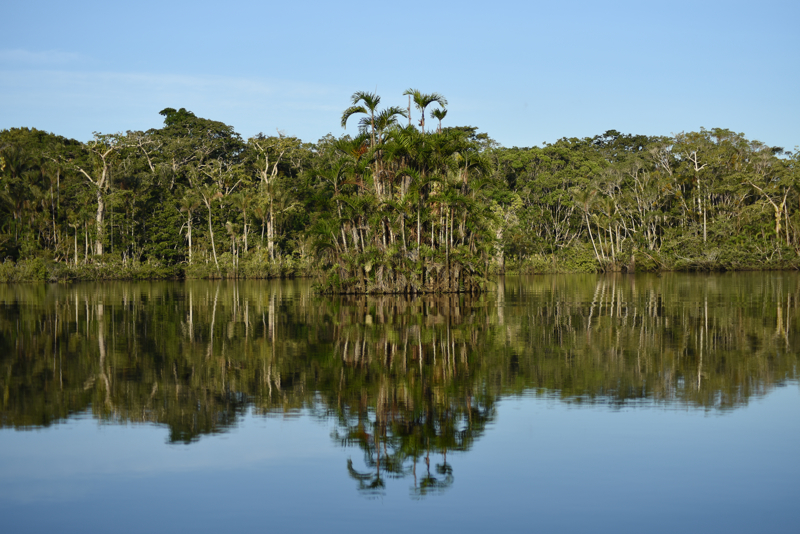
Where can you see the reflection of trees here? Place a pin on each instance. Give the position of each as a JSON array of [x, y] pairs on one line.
[[402, 386], [406, 391], [704, 341], [405, 379]]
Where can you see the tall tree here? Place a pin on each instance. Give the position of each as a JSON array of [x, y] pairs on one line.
[[104, 154], [439, 113], [365, 103], [423, 100]]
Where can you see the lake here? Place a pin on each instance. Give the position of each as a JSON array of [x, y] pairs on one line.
[[568, 403]]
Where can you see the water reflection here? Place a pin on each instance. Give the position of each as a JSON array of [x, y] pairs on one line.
[[406, 380]]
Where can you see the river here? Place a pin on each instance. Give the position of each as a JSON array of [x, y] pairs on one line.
[[566, 403]]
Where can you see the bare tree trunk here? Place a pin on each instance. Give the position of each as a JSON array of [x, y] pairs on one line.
[[244, 213], [211, 233], [588, 227], [344, 240], [403, 229], [76, 244], [705, 226], [101, 213], [786, 217], [271, 233], [53, 215], [190, 237], [611, 241], [419, 230], [447, 250]]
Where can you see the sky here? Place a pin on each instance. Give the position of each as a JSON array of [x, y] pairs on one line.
[[523, 72]]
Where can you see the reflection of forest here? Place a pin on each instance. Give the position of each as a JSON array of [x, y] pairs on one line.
[[403, 378]]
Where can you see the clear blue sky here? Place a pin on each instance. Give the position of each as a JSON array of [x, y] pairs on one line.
[[524, 72]]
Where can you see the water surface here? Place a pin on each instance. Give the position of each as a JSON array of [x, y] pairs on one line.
[[567, 403]]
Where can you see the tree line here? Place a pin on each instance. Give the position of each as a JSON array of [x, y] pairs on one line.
[[389, 206]]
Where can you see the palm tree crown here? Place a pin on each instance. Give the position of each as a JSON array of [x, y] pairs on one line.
[[423, 100], [368, 106], [439, 113]]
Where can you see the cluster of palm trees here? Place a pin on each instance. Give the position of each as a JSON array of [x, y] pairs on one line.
[[411, 207]]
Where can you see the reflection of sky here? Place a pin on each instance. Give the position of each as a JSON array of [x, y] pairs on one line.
[[541, 466]]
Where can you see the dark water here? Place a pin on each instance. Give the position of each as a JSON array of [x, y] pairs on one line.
[[560, 403]]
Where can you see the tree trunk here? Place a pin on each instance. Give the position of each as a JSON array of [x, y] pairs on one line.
[[271, 233], [403, 230], [244, 214], [211, 233], [611, 242], [419, 229], [588, 227], [447, 251], [705, 227], [190, 237], [101, 214], [53, 215]]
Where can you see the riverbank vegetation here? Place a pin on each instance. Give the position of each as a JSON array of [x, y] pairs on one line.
[[390, 206]]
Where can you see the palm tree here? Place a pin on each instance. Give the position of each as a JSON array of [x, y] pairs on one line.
[[439, 113], [355, 147], [423, 100], [368, 107], [383, 120]]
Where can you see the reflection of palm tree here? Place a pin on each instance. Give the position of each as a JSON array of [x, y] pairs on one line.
[[396, 433], [368, 483], [431, 484]]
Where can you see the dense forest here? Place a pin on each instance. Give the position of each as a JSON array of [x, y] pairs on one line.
[[393, 205]]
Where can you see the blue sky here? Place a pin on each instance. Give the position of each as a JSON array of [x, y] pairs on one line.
[[524, 72]]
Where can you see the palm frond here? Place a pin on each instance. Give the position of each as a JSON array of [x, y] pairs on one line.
[[352, 110]]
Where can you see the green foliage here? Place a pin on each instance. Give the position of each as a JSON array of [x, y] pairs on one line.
[[412, 208], [427, 211]]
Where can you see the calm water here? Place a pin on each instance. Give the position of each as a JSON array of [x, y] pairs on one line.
[[559, 403]]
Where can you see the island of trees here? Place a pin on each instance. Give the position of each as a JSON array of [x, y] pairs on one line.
[[394, 205]]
